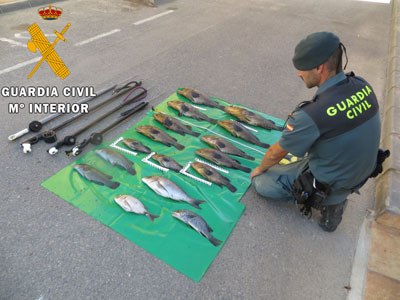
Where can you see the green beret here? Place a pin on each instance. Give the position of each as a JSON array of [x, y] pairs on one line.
[[314, 50]]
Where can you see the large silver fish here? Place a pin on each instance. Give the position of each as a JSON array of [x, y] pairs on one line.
[[136, 145], [221, 159], [196, 97], [159, 135], [224, 146], [116, 159], [188, 110], [95, 175], [251, 118], [168, 189], [238, 130], [173, 124], [212, 175], [132, 204], [197, 223], [167, 162]]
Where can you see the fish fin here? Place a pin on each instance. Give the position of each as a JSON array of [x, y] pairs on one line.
[[231, 187], [214, 241], [196, 134], [180, 132], [113, 184], [213, 121], [248, 157], [179, 146], [195, 203], [151, 216], [220, 185], [244, 169], [131, 171]]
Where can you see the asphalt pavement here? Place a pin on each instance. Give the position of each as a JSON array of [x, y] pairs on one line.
[[239, 51]]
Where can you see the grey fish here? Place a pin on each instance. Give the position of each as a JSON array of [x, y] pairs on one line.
[[196, 97], [197, 223], [159, 135], [173, 124], [221, 159], [167, 162], [188, 110], [224, 146], [237, 130], [136, 145], [212, 175], [95, 176], [251, 118], [132, 204], [168, 189], [116, 159]]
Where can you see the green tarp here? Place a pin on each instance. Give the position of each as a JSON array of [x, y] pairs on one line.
[[167, 238]]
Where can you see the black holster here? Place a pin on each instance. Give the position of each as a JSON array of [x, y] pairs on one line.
[[382, 155], [308, 192]]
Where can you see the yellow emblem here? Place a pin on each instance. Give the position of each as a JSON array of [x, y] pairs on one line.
[[39, 41]]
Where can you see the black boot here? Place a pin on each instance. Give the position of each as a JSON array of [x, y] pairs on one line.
[[331, 216]]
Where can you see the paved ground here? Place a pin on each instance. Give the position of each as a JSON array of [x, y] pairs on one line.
[[236, 50]]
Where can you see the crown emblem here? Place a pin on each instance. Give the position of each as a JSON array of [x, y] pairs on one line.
[[50, 13]]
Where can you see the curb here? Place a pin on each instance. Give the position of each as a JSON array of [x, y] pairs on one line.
[[10, 7]]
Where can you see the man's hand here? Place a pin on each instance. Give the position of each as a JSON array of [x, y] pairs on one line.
[[257, 171]]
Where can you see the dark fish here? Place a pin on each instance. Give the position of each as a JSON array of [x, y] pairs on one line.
[[168, 189], [188, 110], [132, 204], [224, 146], [95, 176], [197, 223], [238, 130], [251, 118], [212, 175], [159, 135], [221, 159], [136, 145], [196, 97], [116, 159], [173, 124], [167, 162]]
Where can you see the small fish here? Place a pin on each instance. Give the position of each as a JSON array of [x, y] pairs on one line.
[[188, 110], [159, 135], [221, 159], [251, 118], [168, 189], [116, 159], [238, 130], [132, 204], [197, 223], [196, 97], [95, 176], [224, 146], [212, 175], [136, 145], [167, 162], [173, 124]]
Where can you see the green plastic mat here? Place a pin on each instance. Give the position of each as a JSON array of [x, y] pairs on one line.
[[167, 238]]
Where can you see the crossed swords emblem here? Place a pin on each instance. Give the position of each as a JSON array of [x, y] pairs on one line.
[[39, 41]]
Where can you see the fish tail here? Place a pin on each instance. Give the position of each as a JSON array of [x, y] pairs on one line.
[[264, 145], [244, 169], [131, 171], [151, 216], [179, 146], [195, 203], [112, 184], [214, 241], [248, 157], [196, 134], [231, 187]]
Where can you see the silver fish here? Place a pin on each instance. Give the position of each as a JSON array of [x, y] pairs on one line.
[[136, 145], [132, 204], [251, 118], [224, 146], [221, 159], [159, 135], [95, 175], [212, 175], [167, 162], [168, 189], [173, 124], [197, 223], [188, 110], [196, 97], [116, 159], [238, 130]]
